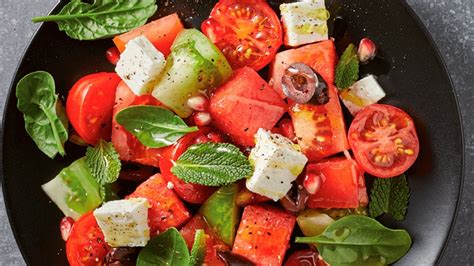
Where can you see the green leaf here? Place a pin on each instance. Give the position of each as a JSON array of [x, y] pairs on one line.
[[168, 248], [360, 240], [104, 163], [212, 164], [347, 70], [199, 249], [101, 19], [389, 195], [44, 115], [154, 127]]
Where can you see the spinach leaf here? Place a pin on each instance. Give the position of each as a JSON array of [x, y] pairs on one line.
[[360, 240], [212, 164], [44, 115], [168, 248], [153, 126], [103, 18]]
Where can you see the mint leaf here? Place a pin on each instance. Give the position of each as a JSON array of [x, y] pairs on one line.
[[154, 127], [103, 162], [168, 248], [212, 164], [347, 70], [199, 249], [389, 195]]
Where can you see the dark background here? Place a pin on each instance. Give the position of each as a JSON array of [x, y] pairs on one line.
[[450, 23]]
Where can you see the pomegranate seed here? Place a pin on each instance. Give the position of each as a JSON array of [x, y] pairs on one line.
[[215, 137], [198, 103], [312, 183], [113, 55], [65, 227], [367, 50], [202, 119]]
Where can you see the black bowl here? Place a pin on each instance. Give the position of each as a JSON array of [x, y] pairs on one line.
[[413, 76]]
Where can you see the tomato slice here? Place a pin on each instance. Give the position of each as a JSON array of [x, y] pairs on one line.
[[86, 244], [193, 193], [248, 32], [89, 106], [384, 140]]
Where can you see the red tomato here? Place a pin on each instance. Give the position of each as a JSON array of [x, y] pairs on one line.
[[127, 145], [113, 55], [244, 104], [161, 33], [246, 197], [320, 129], [384, 140], [166, 210], [341, 184], [86, 245], [306, 257], [213, 243], [248, 32], [89, 106], [264, 234], [319, 56], [193, 193]]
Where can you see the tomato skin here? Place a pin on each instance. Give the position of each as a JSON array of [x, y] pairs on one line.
[[193, 193], [213, 243], [86, 245], [384, 140], [248, 32], [127, 145], [264, 234], [89, 106], [342, 184], [167, 210], [305, 257], [161, 33]]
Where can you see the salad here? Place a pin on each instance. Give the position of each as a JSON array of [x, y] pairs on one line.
[[246, 142]]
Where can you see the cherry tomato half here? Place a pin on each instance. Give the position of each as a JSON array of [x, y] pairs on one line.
[[90, 104], [189, 192], [248, 32], [86, 244], [384, 141]]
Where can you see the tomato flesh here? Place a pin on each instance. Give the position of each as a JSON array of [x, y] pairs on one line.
[[248, 32], [384, 140], [166, 210], [89, 106], [264, 234], [86, 244], [342, 184], [127, 145]]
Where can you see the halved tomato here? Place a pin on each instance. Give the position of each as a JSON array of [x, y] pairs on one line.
[[248, 32], [89, 106], [127, 145], [86, 245], [193, 193], [384, 140]]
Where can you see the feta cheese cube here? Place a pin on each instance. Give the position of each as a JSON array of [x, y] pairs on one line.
[[364, 92], [277, 162], [140, 65], [304, 22], [124, 222]]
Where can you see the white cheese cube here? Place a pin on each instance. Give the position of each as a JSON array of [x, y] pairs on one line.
[[304, 22], [364, 92], [140, 65], [277, 162], [124, 222]]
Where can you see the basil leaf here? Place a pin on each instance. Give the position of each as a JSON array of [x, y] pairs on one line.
[[103, 162], [360, 240], [212, 164], [103, 18], [347, 69], [389, 195], [168, 248], [199, 249], [44, 115], [153, 126]]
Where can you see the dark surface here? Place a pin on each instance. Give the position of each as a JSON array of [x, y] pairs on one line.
[[459, 59]]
